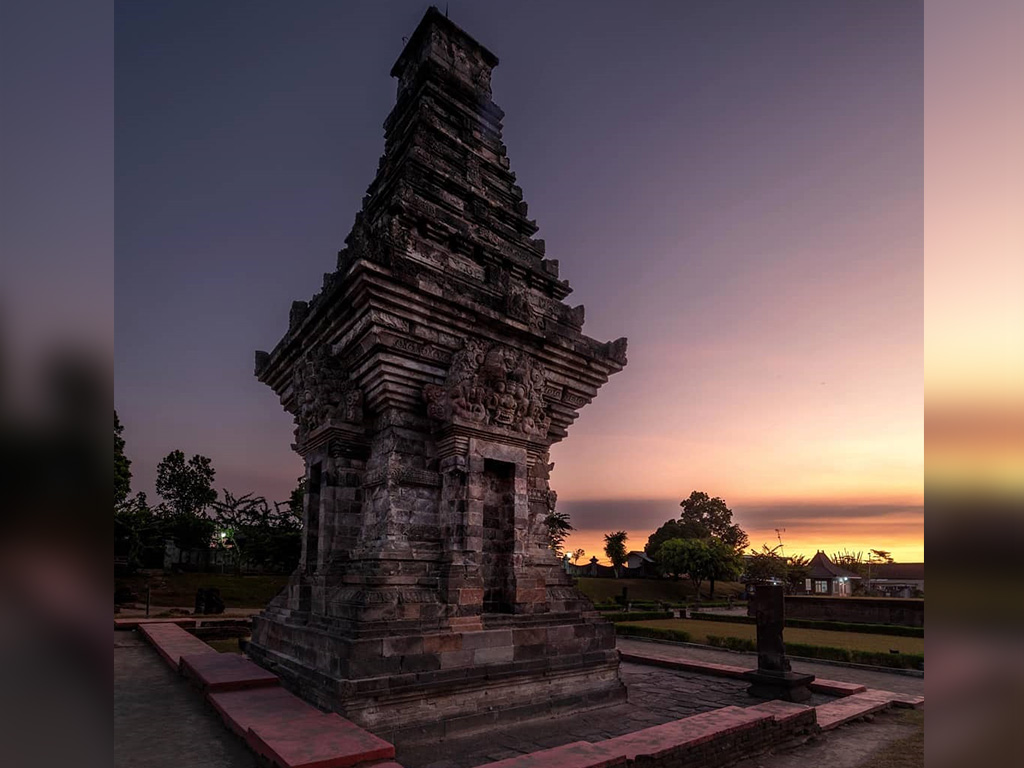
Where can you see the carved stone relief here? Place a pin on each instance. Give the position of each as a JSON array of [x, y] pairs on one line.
[[323, 392], [493, 385]]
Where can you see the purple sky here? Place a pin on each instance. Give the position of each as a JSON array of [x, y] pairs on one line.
[[735, 186]]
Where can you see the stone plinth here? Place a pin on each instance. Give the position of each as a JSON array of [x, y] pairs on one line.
[[428, 379], [774, 677]]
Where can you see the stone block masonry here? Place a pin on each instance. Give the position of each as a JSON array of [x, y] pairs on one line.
[[428, 380], [276, 724], [708, 740]]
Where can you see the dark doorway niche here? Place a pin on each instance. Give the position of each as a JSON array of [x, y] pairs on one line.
[[313, 517], [499, 536]]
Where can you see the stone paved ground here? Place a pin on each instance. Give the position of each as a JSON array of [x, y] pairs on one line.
[[655, 696], [159, 721], [886, 681], [881, 742]]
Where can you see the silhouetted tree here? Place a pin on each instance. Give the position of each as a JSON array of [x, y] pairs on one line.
[[263, 535], [851, 561], [882, 556], [187, 488], [672, 529], [796, 571], [297, 497], [690, 556], [558, 527], [705, 517], [766, 565], [615, 549], [187, 491], [577, 555], [725, 563], [137, 530], [122, 465]]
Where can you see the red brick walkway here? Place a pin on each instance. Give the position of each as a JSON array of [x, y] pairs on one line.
[[869, 678]]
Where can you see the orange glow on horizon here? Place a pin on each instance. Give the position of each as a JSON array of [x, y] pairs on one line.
[[910, 550]]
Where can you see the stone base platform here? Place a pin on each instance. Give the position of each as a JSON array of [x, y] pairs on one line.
[[275, 724], [432, 685], [786, 686], [709, 740]]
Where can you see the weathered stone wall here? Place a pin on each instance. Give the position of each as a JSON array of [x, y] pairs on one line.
[[865, 610]]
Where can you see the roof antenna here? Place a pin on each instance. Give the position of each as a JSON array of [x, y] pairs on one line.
[[446, 10], [778, 533]]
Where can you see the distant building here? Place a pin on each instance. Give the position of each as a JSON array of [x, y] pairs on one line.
[[826, 579], [637, 559], [637, 566], [897, 579]]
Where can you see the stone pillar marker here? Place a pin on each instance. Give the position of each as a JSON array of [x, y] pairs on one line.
[[774, 677], [428, 379]]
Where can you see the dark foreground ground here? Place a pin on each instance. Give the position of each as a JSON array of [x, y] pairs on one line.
[[160, 722]]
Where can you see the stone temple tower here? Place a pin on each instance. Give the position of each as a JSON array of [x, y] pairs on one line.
[[428, 379]]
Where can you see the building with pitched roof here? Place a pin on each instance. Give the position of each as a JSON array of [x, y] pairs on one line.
[[897, 579], [825, 578]]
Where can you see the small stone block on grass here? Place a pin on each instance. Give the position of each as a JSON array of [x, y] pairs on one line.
[[226, 672], [327, 741]]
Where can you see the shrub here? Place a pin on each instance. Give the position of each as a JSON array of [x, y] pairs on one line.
[[638, 615], [872, 658], [837, 626], [732, 643]]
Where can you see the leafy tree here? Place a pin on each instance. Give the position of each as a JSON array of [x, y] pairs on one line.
[[187, 530], [297, 497], [558, 527], [673, 560], [766, 565], [672, 529], [796, 571], [700, 559], [726, 563], [851, 561], [704, 516], [875, 556], [577, 555], [187, 490], [136, 530], [122, 466], [186, 487], [262, 535], [693, 557], [882, 556], [615, 549]]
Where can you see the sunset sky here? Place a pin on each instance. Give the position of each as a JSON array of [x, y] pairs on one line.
[[736, 187]]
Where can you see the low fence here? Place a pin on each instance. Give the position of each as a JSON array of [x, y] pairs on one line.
[[907, 612]]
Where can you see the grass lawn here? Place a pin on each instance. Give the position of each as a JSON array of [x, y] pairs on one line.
[[180, 589], [666, 590], [854, 641]]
